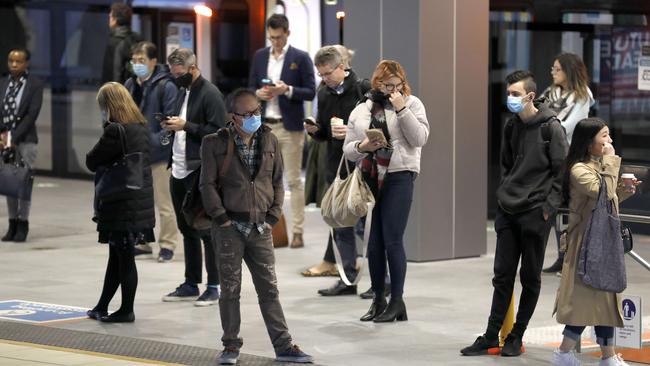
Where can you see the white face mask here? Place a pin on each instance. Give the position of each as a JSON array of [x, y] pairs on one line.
[[105, 116]]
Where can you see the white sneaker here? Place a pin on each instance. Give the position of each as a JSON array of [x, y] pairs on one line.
[[615, 360], [565, 358]]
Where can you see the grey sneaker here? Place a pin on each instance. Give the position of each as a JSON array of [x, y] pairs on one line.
[[229, 356], [293, 354], [209, 297]]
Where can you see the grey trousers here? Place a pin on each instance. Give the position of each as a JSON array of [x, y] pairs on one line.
[[257, 251], [19, 209]]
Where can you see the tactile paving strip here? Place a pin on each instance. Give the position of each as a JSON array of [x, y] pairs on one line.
[[121, 346]]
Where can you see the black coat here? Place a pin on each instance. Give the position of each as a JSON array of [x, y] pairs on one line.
[[206, 114], [331, 104], [130, 211], [28, 110], [118, 53]]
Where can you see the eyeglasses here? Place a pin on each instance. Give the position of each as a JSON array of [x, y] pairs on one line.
[[329, 73], [256, 112], [391, 87], [140, 60], [277, 38]]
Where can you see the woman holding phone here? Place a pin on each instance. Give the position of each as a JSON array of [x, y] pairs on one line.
[[390, 162]]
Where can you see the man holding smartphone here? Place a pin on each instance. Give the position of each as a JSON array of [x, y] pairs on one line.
[[283, 78], [200, 112], [340, 92]]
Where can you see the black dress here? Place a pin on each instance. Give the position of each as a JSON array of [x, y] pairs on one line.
[[124, 219]]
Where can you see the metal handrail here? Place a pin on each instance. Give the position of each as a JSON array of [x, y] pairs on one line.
[[638, 219]]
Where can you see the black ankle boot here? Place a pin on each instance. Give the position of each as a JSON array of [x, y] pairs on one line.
[[377, 307], [22, 228], [11, 232], [396, 310]]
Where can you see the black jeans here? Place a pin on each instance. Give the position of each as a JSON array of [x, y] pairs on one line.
[[518, 236], [192, 237], [347, 246], [389, 219]]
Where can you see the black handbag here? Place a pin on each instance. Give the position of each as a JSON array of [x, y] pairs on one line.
[[628, 242], [124, 175], [16, 179]]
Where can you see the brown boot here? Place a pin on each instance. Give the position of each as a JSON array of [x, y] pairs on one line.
[[297, 241]]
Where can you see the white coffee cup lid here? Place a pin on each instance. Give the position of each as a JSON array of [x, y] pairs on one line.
[[627, 176]]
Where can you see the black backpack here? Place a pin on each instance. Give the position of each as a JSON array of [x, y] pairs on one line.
[[546, 130]]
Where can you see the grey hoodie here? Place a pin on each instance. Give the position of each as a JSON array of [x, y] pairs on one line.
[[531, 174]]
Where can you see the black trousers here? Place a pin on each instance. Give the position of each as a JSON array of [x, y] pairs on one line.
[[192, 238], [521, 236]]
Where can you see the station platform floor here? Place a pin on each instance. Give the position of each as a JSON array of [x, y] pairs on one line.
[[448, 303]]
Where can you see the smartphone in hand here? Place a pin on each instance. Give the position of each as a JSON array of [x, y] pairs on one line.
[[267, 82], [375, 134], [160, 116], [310, 121]]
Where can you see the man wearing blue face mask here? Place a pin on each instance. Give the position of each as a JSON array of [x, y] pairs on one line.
[[242, 191], [154, 92], [533, 150]]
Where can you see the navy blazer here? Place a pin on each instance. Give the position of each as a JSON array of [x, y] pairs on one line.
[[28, 110], [298, 72]]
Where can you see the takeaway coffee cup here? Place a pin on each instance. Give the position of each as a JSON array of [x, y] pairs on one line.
[[628, 180]]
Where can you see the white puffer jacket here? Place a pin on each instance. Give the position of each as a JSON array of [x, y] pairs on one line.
[[408, 129]]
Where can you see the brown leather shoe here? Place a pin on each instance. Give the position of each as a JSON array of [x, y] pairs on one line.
[[297, 241]]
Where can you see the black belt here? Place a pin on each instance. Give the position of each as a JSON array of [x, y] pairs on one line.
[[272, 121]]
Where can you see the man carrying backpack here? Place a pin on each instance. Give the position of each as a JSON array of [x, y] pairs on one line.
[[121, 39], [533, 150], [155, 93]]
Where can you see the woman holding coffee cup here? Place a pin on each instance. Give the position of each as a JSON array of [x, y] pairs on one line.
[[591, 157], [389, 165]]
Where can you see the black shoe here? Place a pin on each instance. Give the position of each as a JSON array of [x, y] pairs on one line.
[[165, 255], [339, 288], [396, 310], [555, 267], [184, 292], [140, 252], [118, 318], [11, 232], [96, 314], [371, 295], [22, 228], [377, 307], [512, 346], [480, 346]]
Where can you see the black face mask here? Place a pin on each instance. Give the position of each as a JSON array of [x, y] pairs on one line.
[[379, 97], [184, 80]]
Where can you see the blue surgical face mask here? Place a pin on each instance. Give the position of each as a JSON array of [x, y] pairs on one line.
[[105, 116], [140, 70], [515, 104], [252, 124]]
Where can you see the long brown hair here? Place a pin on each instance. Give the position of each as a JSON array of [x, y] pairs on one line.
[[387, 69], [116, 100], [576, 75]]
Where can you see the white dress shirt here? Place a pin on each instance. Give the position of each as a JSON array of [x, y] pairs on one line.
[[179, 162], [273, 72]]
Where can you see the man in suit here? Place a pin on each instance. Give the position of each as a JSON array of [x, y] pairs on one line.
[[283, 78], [22, 96], [200, 112]]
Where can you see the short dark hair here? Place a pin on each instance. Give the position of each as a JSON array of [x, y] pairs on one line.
[[122, 13], [277, 21], [523, 75], [147, 48], [24, 50], [235, 95]]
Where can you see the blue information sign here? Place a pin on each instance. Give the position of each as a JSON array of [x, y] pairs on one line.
[[38, 312]]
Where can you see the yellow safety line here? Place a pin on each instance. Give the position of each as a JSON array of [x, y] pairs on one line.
[[89, 353]]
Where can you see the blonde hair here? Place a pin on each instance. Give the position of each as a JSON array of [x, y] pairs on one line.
[[387, 69], [116, 100]]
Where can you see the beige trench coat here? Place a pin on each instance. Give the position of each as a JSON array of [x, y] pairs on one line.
[[576, 303]]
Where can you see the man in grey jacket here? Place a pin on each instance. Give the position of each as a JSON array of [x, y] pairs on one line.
[[533, 150]]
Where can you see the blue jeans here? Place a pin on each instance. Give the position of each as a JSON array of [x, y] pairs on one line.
[[389, 219], [604, 335]]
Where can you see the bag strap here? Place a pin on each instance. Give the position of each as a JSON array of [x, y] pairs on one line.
[[366, 239], [122, 135], [347, 167]]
